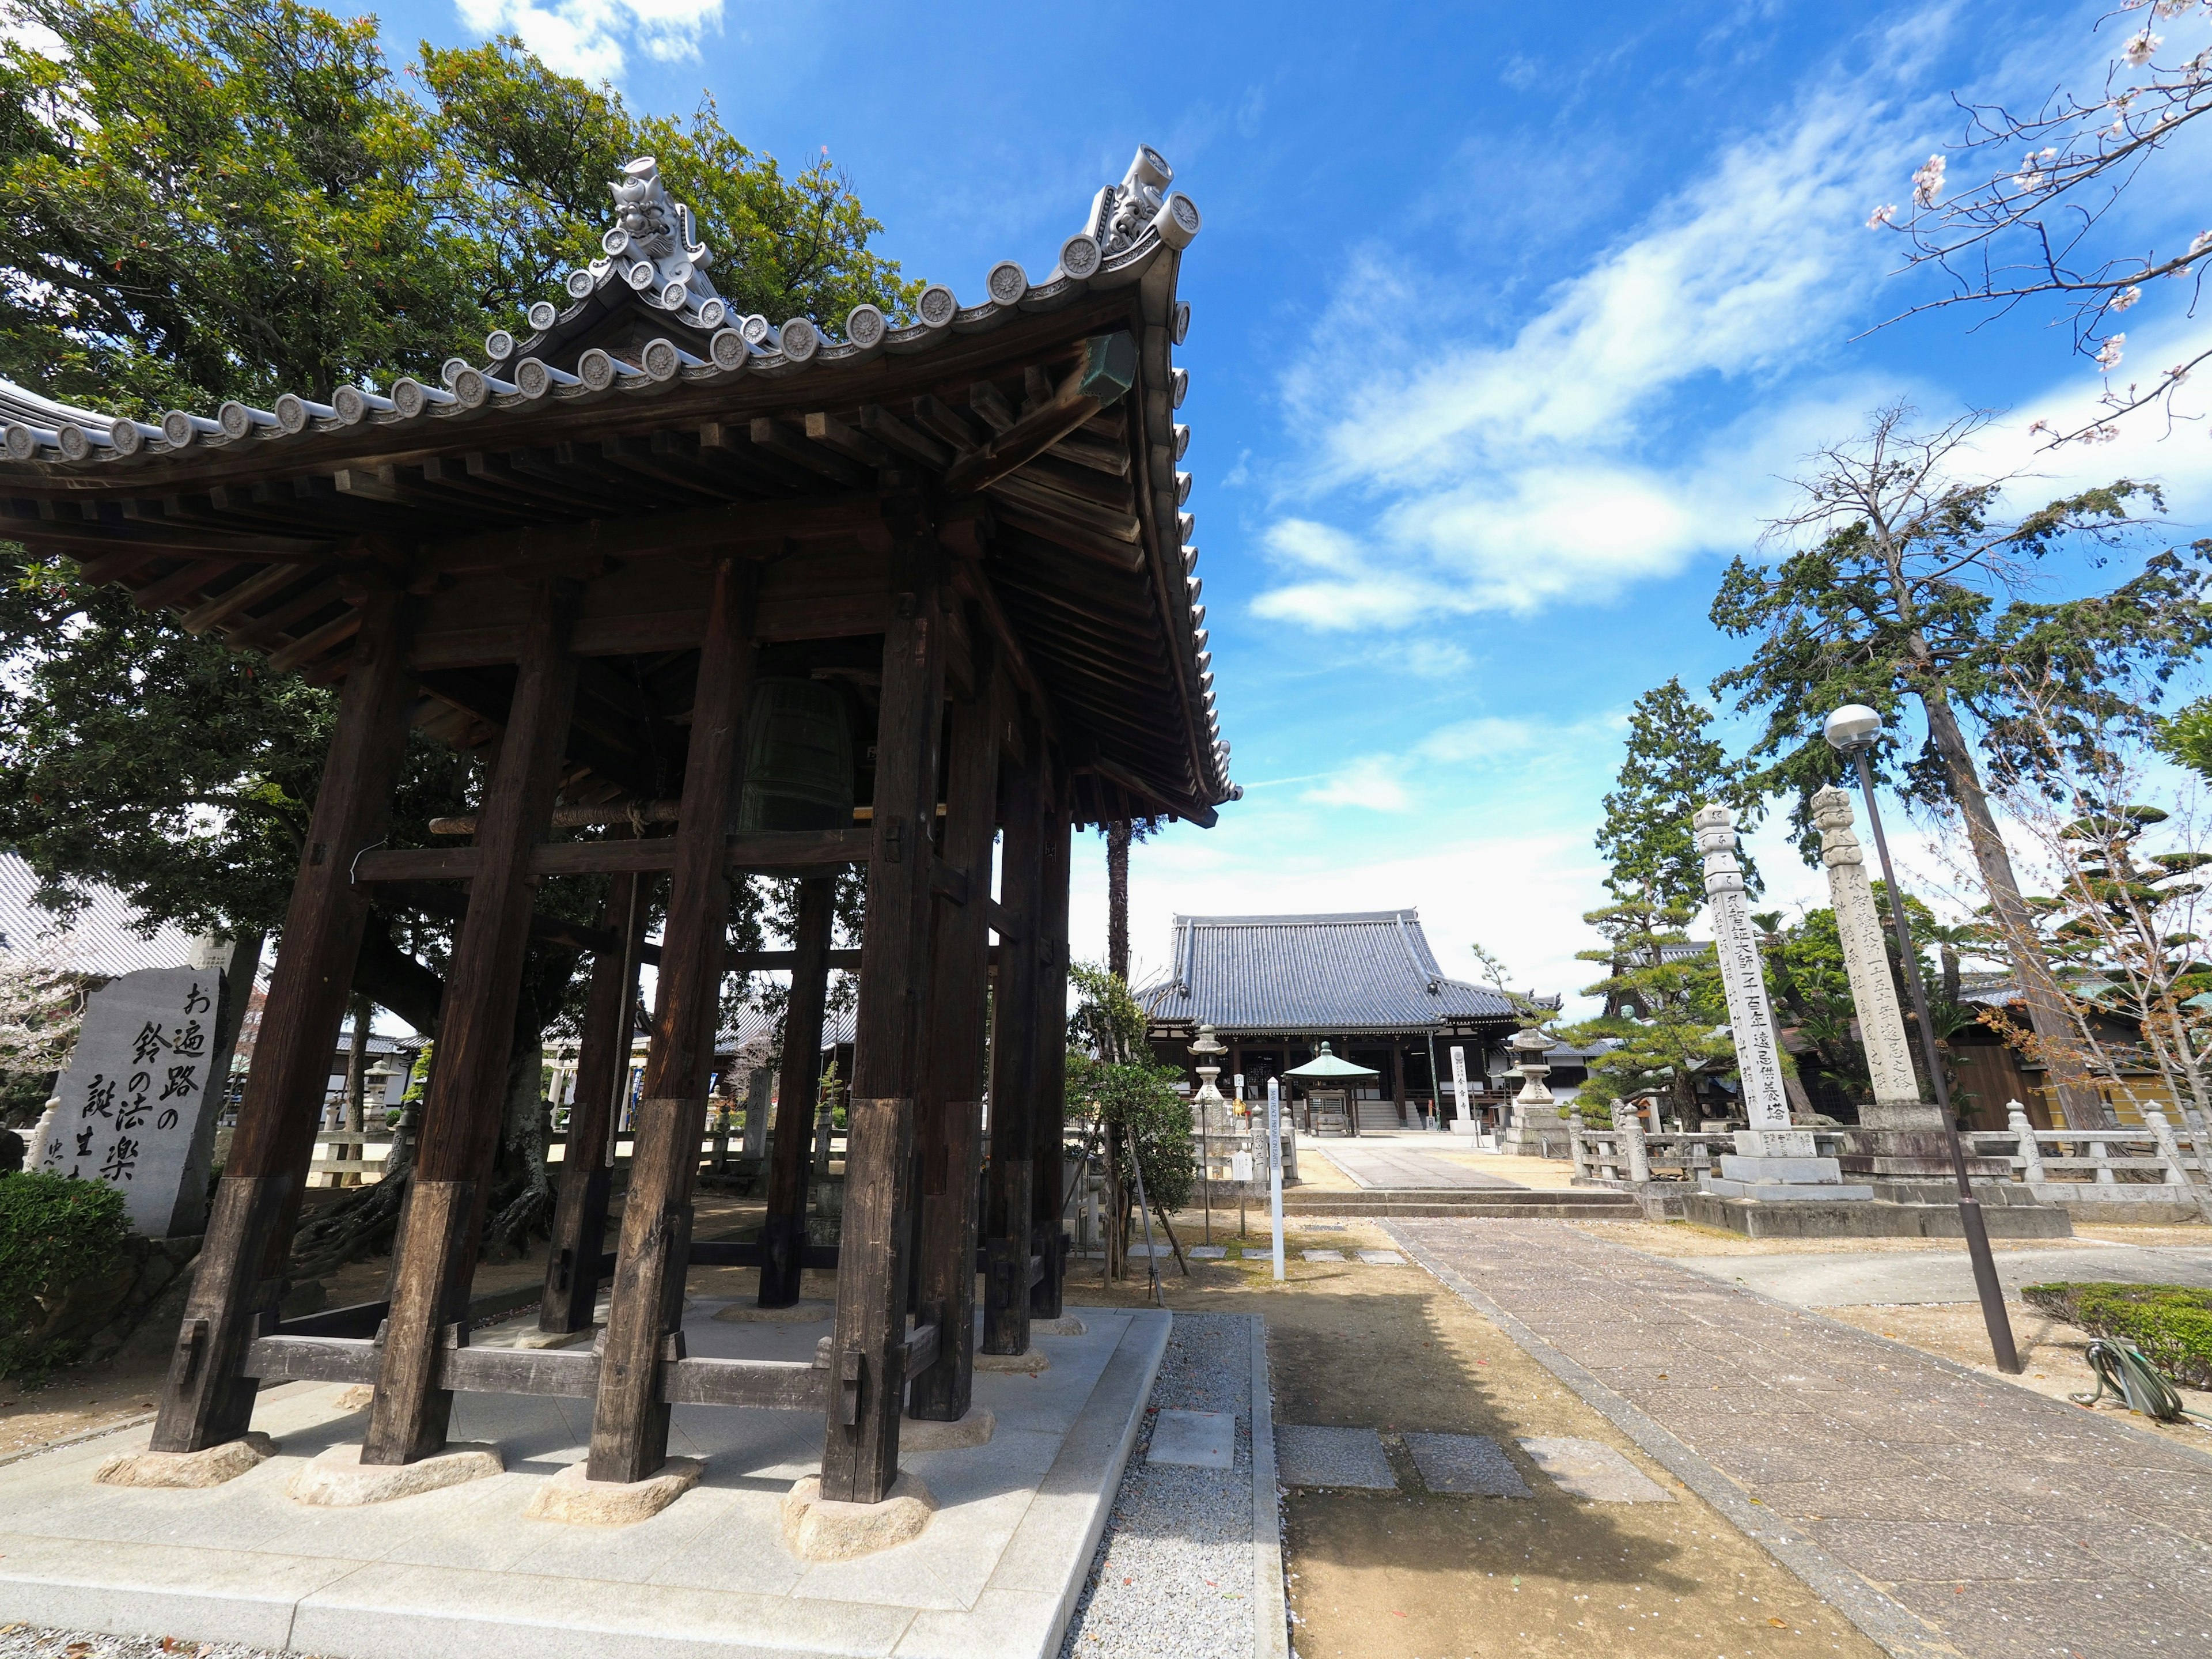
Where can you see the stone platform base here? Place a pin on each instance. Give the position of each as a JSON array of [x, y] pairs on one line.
[[995, 1574], [1874, 1218], [923, 1434], [818, 1528], [210, 1467], [573, 1499], [338, 1480]]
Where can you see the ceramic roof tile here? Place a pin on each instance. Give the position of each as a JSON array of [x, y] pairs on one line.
[[1363, 971]]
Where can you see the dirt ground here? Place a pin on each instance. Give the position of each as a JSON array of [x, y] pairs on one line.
[[1408, 1575]]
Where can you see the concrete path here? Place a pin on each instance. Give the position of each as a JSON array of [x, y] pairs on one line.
[[1942, 1511], [1398, 1167], [1843, 1281]]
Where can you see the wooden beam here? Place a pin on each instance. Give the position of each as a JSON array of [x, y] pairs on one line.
[[610, 1021], [949, 1126], [167, 590], [1106, 369], [435, 1256], [831, 433], [892, 433], [1015, 1042], [777, 439], [859, 1454], [783, 1234], [749, 528], [256, 589], [1091, 542], [629, 1418], [202, 1403], [779, 849], [1047, 1243]]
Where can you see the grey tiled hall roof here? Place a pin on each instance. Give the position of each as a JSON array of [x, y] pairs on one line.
[[1366, 971]]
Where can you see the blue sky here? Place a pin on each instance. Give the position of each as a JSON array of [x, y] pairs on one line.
[[1506, 323]]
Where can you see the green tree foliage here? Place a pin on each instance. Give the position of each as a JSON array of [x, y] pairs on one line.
[[1901, 585], [1664, 1000], [1673, 766], [244, 198], [56, 1235], [1112, 1081]]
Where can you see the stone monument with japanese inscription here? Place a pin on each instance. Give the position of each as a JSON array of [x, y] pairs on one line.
[[1771, 1162], [136, 1108], [1902, 1143]]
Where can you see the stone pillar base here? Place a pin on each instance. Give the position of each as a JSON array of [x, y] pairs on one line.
[[799, 1313], [573, 1499], [338, 1478], [209, 1466], [923, 1434], [1781, 1166], [818, 1528]]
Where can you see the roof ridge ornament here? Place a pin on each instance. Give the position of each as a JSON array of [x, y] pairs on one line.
[[654, 246], [1122, 214]]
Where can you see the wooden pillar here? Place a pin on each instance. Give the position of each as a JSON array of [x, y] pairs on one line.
[[949, 1118], [1049, 1105], [436, 1254], [629, 1421], [1007, 1203], [1398, 1079], [580, 1215], [783, 1235], [859, 1452], [204, 1401]]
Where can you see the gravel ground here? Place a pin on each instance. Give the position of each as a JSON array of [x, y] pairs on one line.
[[25, 1642], [1173, 1570]]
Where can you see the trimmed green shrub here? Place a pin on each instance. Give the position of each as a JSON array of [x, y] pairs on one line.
[[2172, 1324], [58, 1238]]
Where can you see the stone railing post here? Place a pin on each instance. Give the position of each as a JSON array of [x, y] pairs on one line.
[[1577, 1151], [1629, 1122], [2031, 1149], [2103, 1154], [2169, 1149]]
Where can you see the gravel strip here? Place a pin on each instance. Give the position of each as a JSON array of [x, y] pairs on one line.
[[1174, 1571], [27, 1642]]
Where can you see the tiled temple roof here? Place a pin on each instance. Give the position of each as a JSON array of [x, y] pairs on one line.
[[693, 408], [1367, 971]]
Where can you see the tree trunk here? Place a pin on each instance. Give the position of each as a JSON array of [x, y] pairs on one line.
[[1117, 899], [2078, 1103]]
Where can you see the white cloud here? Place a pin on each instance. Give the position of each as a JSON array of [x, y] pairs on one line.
[[1373, 781], [592, 38], [1508, 476]]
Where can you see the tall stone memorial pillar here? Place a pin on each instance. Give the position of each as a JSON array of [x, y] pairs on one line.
[[1901, 1139], [1772, 1160]]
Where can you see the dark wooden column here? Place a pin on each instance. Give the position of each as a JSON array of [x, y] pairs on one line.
[[1398, 1078], [949, 1119], [783, 1235], [436, 1254], [1049, 1106], [1007, 1201], [204, 1401], [629, 1421], [868, 1386], [580, 1215]]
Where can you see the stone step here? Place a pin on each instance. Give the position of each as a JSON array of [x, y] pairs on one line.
[[1494, 1203]]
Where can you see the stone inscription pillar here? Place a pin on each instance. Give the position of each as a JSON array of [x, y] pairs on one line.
[[1772, 1160]]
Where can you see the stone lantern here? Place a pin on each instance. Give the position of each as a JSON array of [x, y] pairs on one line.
[[1536, 1130], [1207, 1050]]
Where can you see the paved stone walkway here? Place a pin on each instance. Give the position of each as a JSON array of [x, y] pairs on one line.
[[1987, 1519], [1395, 1167]]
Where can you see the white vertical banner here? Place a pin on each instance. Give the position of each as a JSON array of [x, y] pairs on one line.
[[1275, 1168], [1459, 1080]]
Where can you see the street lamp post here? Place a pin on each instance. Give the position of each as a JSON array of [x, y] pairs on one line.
[[1851, 730]]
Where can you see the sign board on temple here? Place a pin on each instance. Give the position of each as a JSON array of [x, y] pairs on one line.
[[136, 1110]]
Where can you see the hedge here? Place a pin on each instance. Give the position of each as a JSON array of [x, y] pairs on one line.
[[58, 1238], [2172, 1324]]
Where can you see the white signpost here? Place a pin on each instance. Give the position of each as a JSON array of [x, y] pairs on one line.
[[1462, 1123], [1275, 1167], [136, 1111]]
